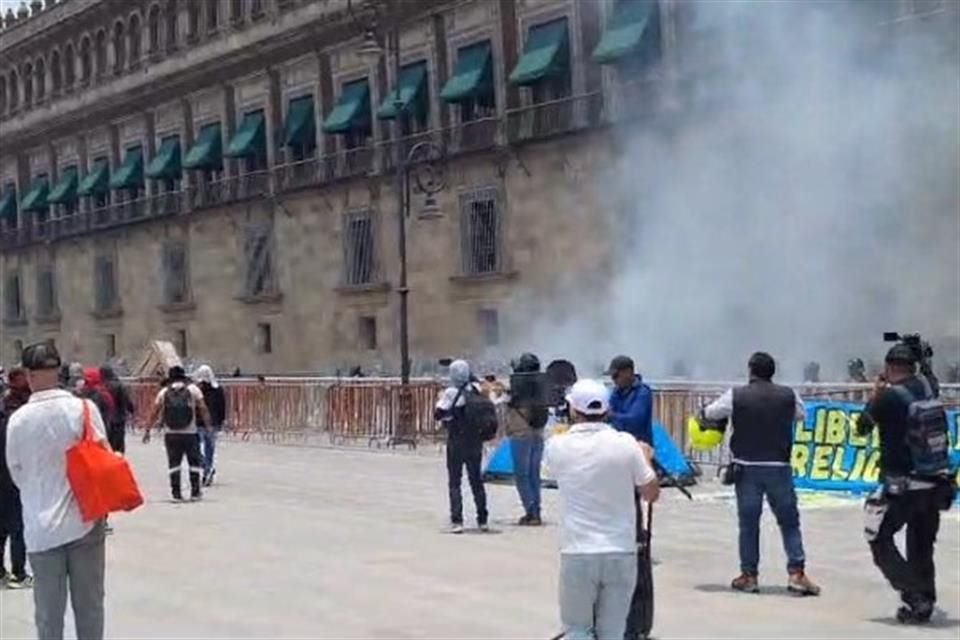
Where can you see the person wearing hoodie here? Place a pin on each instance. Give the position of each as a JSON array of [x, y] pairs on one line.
[[464, 445], [11, 509], [631, 402], [524, 427], [123, 410], [93, 389], [215, 400]]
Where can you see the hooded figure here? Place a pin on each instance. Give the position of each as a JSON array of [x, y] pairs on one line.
[[464, 445], [524, 426], [123, 409], [94, 389], [215, 399]]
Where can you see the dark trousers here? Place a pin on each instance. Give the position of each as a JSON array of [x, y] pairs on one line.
[[776, 483], [117, 437], [913, 576], [180, 445], [460, 454], [18, 551]]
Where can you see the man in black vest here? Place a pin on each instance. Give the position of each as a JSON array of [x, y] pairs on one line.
[[763, 415]]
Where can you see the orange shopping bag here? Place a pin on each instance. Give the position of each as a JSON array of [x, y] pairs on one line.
[[101, 480]]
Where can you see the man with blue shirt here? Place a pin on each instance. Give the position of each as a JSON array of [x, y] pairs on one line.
[[631, 402]]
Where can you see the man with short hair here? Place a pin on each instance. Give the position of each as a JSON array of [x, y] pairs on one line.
[[631, 403], [763, 415], [177, 406], [598, 471], [65, 552]]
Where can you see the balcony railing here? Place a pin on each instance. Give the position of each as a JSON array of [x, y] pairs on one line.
[[388, 148], [356, 162], [633, 100], [475, 135], [555, 117]]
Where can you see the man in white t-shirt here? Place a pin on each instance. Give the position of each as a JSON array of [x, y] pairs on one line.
[[598, 471], [177, 406], [66, 553]]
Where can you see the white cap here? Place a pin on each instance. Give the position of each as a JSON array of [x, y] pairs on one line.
[[588, 397]]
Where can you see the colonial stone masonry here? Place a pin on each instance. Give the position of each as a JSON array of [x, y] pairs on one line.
[[220, 172]]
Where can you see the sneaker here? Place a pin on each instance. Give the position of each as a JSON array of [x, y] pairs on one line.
[[535, 521], [13, 582], [197, 497], [456, 527], [524, 520], [800, 584], [484, 527], [177, 497], [745, 583]]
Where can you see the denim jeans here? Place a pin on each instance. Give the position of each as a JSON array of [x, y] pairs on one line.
[[208, 446], [776, 483], [527, 455], [595, 594]]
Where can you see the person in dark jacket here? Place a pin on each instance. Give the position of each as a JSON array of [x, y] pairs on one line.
[[11, 510], [216, 402], [631, 403], [763, 415], [123, 409], [93, 389]]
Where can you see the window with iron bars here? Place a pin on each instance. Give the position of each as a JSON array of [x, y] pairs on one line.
[[106, 298], [13, 299], [359, 248], [480, 232], [176, 274], [260, 278], [46, 293]]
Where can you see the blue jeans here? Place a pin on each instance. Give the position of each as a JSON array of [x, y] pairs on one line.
[[595, 594], [208, 446], [777, 484], [527, 455]]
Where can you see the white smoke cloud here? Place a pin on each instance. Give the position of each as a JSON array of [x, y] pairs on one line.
[[814, 204]]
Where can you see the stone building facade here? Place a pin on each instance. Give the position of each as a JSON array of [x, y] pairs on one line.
[[220, 173]]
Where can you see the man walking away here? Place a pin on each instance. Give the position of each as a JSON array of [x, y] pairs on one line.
[[214, 398], [66, 553], [525, 429], [11, 509], [464, 445], [177, 406], [916, 483], [631, 403], [763, 415], [598, 471], [94, 390], [123, 409]]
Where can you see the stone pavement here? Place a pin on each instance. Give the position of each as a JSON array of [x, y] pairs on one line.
[[302, 542]]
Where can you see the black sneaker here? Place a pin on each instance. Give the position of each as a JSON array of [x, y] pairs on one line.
[[177, 497], [919, 614]]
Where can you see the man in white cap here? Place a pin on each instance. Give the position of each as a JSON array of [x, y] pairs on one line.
[[597, 470]]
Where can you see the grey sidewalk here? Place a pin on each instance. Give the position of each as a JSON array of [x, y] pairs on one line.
[[309, 542]]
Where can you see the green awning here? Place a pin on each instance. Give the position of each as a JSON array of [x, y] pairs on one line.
[[206, 151], [411, 93], [473, 74], [66, 190], [166, 164], [8, 205], [546, 54], [250, 140], [352, 110], [624, 31], [36, 198], [97, 180], [301, 128], [130, 173]]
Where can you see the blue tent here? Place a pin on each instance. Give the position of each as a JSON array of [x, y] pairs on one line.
[[500, 464]]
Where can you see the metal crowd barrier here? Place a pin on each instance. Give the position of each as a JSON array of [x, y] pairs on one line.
[[370, 409]]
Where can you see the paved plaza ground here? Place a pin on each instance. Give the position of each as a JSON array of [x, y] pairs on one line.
[[305, 542]]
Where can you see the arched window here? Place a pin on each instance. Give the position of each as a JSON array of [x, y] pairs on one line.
[[100, 52], [135, 39], [69, 68], [27, 84], [40, 79], [86, 60], [153, 29], [170, 17], [56, 72], [119, 48], [14, 91]]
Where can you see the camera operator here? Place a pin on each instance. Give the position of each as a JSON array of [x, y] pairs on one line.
[[524, 426], [763, 416], [915, 480]]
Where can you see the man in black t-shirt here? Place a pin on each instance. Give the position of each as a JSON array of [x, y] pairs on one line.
[[903, 499]]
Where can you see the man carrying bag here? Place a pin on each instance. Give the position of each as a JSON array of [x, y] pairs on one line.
[[68, 480]]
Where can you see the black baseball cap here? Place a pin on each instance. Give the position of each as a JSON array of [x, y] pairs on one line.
[[40, 356], [619, 364], [901, 354]]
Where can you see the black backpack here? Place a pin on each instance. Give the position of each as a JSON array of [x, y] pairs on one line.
[[479, 413], [178, 408], [927, 432]]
